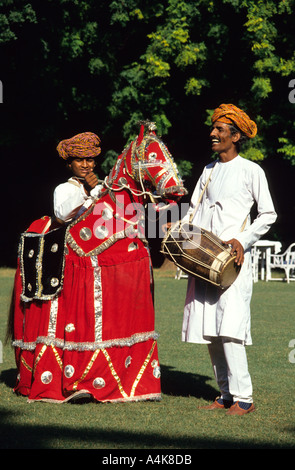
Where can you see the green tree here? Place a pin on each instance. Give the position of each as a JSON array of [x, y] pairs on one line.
[[199, 48], [74, 65], [114, 63]]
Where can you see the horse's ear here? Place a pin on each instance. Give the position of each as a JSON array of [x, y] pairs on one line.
[[140, 135]]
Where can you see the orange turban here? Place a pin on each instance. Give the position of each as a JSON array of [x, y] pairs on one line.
[[230, 114], [79, 146]]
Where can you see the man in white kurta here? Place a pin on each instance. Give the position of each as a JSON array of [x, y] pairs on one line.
[[70, 199], [219, 318]]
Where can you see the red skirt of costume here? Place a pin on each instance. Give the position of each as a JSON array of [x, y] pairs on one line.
[[96, 336]]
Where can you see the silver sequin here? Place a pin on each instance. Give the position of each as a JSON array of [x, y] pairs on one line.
[[152, 156], [107, 214], [46, 377], [54, 248], [53, 319], [98, 382], [123, 181], [128, 361], [132, 246], [70, 327], [31, 254], [69, 371], [85, 233], [54, 282], [101, 232], [97, 288], [157, 372]]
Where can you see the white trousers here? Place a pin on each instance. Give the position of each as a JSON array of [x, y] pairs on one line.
[[230, 366]]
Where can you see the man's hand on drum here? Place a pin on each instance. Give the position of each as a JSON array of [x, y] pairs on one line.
[[237, 249]]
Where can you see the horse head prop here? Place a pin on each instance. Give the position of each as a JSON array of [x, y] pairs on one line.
[[149, 162], [145, 171]]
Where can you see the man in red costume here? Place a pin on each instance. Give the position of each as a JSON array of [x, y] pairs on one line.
[[93, 335]]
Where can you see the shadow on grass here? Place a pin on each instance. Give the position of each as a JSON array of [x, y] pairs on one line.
[[184, 384], [19, 436], [8, 377], [14, 435]]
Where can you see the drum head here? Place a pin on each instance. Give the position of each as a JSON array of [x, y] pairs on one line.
[[200, 253], [229, 273]]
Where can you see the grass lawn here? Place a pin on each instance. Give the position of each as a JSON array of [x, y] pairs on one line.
[[187, 382]]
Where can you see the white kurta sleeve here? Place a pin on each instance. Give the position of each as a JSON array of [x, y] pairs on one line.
[[266, 214], [67, 200], [96, 190], [70, 200]]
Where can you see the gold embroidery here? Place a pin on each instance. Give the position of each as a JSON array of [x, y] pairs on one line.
[[128, 231], [89, 365], [114, 373], [26, 365], [43, 349], [142, 369], [38, 294], [39, 267], [57, 357]]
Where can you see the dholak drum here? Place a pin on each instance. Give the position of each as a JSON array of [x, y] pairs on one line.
[[198, 252]]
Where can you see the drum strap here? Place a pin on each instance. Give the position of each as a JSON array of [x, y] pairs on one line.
[[200, 199], [244, 224], [201, 195]]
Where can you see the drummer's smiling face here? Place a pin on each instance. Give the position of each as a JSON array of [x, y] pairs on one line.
[[223, 142]]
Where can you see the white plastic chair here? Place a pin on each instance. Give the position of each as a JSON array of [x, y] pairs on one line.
[[285, 261], [180, 274], [255, 254]]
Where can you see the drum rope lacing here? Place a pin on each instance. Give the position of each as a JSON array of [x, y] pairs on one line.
[[191, 258]]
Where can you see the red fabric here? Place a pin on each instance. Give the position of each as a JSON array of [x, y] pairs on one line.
[[39, 225], [128, 371], [98, 334]]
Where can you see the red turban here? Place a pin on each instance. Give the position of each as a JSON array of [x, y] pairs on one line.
[[230, 114], [79, 146]]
